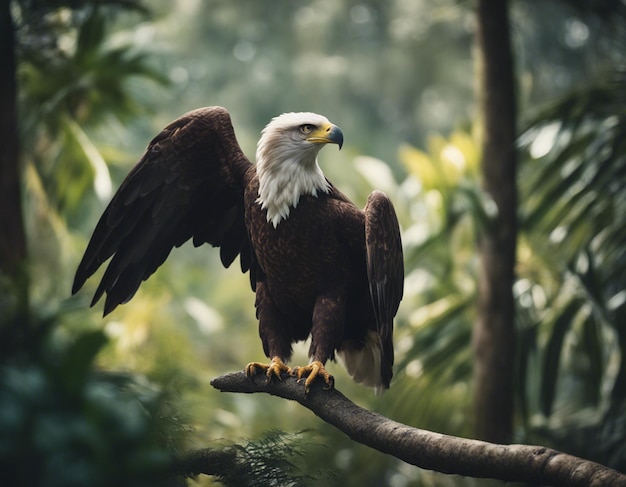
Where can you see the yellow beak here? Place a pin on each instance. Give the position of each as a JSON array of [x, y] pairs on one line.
[[329, 134]]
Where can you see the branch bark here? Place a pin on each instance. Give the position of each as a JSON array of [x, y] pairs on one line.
[[429, 450]]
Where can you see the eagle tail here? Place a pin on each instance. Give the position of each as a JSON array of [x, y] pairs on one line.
[[366, 363]]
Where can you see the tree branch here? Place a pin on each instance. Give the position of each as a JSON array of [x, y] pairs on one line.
[[428, 450]]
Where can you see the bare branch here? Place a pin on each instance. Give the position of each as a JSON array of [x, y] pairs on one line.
[[433, 451]]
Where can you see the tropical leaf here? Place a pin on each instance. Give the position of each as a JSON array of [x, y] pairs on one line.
[[552, 355], [572, 188]]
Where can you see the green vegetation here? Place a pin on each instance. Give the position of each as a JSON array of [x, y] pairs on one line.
[[118, 399], [63, 425]]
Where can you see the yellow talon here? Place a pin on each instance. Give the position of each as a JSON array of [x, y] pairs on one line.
[[311, 372], [274, 369]]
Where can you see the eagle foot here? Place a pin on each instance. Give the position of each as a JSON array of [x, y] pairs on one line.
[[311, 372], [272, 370]]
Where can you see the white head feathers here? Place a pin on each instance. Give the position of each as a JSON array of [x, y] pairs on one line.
[[286, 159]]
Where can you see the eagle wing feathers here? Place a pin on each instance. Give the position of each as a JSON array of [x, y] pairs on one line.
[[385, 267], [189, 183]]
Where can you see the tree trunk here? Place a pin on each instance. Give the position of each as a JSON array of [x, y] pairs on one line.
[[494, 331], [13, 235]]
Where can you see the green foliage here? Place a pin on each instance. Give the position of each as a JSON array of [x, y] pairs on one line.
[[570, 277], [86, 79], [73, 79], [572, 263], [62, 424], [275, 459], [435, 355], [387, 72]]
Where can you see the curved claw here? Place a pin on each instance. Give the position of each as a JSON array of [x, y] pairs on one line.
[[272, 370], [311, 372]]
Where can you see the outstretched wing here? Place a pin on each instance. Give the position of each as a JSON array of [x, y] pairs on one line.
[[385, 265], [189, 183]]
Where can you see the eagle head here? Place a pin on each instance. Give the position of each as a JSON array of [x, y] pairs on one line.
[[286, 160]]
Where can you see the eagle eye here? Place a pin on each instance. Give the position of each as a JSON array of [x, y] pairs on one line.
[[307, 128]]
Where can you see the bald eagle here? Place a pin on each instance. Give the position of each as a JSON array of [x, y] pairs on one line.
[[319, 266]]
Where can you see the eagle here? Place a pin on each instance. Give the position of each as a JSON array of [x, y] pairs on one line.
[[320, 266]]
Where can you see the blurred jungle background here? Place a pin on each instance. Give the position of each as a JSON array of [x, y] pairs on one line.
[[92, 401]]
